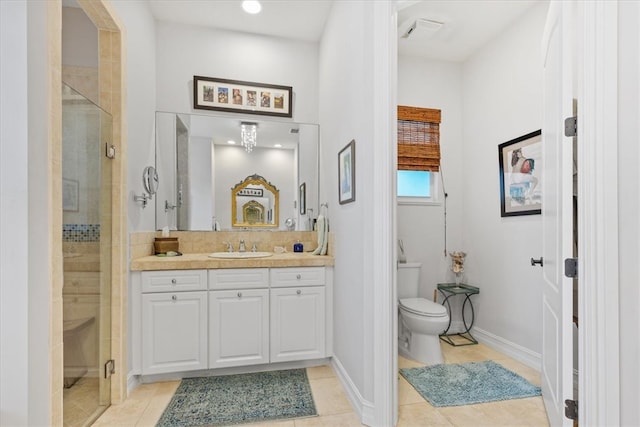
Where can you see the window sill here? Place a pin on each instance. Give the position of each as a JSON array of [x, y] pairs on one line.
[[417, 201]]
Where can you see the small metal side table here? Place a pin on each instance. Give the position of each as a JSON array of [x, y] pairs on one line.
[[448, 290]]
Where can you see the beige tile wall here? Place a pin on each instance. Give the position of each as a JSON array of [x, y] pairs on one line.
[[111, 92], [56, 367]]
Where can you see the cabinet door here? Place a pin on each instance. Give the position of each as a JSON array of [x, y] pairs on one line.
[[174, 332], [238, 327], [297, 323]]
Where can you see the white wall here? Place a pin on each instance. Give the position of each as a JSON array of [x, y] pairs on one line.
[[234, 164], [14, 215], [502, 89], [184, 51], [140, 42], [346, 105], [435, 84], [629, 208]]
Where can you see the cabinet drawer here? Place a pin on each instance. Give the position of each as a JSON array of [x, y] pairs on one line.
[[239, 278], [174, 281], [299, 276]]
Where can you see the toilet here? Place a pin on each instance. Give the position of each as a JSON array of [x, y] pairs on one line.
[[420, 321]]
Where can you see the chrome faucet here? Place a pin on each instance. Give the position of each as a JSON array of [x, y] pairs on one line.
[[242, 248], [229, 246]]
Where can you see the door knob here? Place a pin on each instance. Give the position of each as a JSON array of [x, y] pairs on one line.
[[537, 261]]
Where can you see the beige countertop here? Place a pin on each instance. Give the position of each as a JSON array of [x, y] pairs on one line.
[[202, 260]]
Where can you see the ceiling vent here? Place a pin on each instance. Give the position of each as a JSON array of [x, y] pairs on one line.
[[423, 28]]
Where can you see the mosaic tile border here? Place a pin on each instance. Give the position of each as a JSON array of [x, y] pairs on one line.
[[81, 232]]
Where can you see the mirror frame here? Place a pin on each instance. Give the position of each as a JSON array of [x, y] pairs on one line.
[[254, 180], [150, 180]]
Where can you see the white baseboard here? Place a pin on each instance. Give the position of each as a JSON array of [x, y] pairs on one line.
[[519, 353], [133, 381], [363, 407]]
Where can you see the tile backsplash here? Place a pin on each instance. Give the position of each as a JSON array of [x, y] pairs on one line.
[[141, 244], [81, 232]]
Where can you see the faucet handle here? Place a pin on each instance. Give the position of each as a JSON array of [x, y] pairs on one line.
[[254, 248], [229, 246]]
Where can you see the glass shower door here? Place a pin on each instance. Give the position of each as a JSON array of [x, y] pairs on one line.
[[86, 245]]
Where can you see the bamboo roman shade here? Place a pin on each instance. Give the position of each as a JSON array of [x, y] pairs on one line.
[[418, 139]]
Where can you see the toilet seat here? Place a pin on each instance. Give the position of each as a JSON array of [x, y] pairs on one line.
[[423, 307]]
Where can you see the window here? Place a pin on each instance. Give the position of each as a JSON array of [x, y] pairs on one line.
[[417, 187], [418, 154]]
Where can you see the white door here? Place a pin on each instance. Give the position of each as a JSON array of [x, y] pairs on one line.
[[557, 345]]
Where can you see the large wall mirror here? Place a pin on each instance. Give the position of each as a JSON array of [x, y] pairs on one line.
[[199, 169]]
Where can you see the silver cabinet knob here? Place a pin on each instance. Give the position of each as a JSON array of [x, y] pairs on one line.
[[239, 294], [174, 281], [174, 298], [298, 276], [298, 292]]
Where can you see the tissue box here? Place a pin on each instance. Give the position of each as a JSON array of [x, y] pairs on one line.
[[163, 245]]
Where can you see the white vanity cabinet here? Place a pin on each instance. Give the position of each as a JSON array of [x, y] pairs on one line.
[[174, 321], [298, 317], [238, 317], [227, 318]]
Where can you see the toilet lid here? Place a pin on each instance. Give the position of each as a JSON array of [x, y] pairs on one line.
[[423, 307]]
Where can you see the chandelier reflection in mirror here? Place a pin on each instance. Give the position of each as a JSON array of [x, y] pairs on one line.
[[248, 135]]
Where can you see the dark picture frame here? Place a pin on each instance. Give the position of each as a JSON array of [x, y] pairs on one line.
[[520, 161], [238, 96], [302, 196], [347, 173]]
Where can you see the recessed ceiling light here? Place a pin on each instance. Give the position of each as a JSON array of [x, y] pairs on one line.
[[251, 6], [277, 145], [231, 141]]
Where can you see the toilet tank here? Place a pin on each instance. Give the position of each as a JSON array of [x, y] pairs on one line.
[[408, 279]]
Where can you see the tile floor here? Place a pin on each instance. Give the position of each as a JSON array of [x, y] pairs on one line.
[[147, 402], [80, 402]]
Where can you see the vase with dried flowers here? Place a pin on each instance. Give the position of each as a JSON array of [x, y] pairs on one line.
[[457, 264]]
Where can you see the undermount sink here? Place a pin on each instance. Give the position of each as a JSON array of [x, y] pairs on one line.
[[240, 255]]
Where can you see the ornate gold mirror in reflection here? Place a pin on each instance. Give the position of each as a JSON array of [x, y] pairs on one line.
[[254, 203]]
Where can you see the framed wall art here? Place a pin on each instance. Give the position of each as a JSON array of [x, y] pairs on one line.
[[520, 175], [347, 173], [241, 97]]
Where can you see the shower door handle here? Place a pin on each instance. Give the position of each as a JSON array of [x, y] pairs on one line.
[[109, 151]]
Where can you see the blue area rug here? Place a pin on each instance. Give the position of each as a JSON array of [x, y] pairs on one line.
[[468, 383], [240, 399]]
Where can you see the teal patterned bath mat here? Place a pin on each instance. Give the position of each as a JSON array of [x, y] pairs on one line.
[[240, 399], [468, 383]]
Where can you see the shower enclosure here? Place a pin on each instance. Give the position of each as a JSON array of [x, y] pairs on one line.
[[86, 248]]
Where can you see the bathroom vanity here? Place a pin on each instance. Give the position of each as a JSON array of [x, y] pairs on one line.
[[199, 313]]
